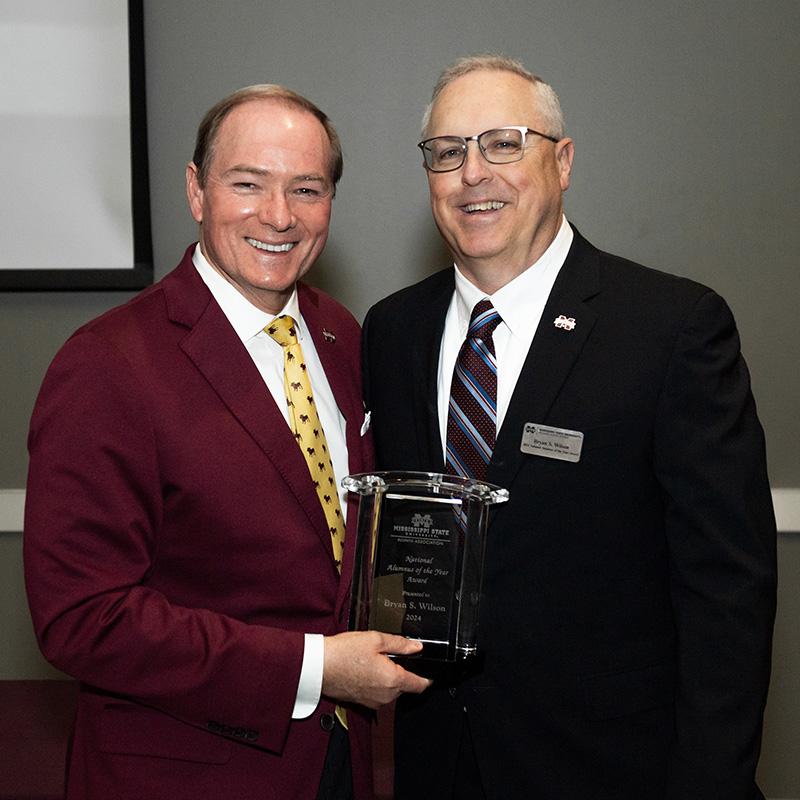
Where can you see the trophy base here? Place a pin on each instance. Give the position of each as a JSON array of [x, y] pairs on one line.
[[433, 662]]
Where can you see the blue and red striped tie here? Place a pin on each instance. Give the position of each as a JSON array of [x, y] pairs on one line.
[[472, 415]]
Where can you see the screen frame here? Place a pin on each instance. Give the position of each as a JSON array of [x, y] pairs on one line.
[[141, 272]]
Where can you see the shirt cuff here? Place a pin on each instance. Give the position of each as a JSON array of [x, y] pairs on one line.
[[309, 687]]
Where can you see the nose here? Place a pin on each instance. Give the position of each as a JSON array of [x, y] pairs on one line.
[[276, 211], [476, 168]]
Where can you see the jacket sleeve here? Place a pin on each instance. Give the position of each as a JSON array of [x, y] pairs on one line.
[[93, 533], [710, 459]]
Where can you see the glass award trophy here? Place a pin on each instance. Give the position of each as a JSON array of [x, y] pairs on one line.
[[419, 564]]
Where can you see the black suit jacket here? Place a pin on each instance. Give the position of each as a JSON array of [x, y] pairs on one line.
[[628, 598]]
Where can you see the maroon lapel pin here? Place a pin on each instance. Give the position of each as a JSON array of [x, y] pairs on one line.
[[567, 323]]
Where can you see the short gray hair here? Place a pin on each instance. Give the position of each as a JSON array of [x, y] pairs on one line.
[[548, 101]]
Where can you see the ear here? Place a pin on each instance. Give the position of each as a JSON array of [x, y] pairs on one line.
[[565, 152], [194, 192]]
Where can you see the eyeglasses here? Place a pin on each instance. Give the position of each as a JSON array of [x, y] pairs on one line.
[[498, 146]]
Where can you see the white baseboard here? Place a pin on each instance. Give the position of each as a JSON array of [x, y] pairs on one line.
[[787, 509], [12, 507]]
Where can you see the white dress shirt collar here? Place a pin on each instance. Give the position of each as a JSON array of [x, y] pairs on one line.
[[520, 304], [513, 301], [246, 319]]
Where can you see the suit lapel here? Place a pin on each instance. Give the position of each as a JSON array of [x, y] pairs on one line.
[[551, 357], [329, 342], [429, 329], [344, 383], [217, 352]]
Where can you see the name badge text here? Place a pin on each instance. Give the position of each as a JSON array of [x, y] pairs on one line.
[[559, 443]]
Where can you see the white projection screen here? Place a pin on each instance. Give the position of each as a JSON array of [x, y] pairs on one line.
[[74, 202]]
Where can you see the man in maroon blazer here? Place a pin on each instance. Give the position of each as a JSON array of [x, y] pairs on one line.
[[178, 559]]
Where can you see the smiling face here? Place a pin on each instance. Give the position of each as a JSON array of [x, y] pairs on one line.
[[265, 207], [497, 219]]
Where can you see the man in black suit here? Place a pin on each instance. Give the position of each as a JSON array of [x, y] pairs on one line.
[[629, 585]]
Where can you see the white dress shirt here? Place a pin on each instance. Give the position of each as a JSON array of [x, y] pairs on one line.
[[249, 322], [520, 304]]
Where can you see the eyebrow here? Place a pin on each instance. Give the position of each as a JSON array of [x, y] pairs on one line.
[[266, 173]]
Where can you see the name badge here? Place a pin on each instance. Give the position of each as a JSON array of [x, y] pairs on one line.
[[540, 440]]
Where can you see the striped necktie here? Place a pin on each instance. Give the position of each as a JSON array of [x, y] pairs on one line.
[[472, 413], [307, 428]]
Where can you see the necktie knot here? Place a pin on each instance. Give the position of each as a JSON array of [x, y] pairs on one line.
[[282, 330], [483, 321]]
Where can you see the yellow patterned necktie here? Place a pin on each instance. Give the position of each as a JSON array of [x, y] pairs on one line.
[[307, 429], [309, 435]]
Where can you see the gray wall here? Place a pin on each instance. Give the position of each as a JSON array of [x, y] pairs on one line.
[[685, 116], [685, 119]]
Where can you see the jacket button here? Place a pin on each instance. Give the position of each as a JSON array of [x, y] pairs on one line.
[[327, 721], [239, 733], [214, 726], [251, 736], [452, 691]]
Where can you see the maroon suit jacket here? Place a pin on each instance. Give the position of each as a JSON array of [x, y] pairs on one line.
[[176, 551]]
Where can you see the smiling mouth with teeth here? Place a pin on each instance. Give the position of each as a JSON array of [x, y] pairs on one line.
[[270, 248], [490, 205]]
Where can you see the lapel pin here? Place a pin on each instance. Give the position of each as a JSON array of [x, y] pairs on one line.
[[567, 323], [328, 335]]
